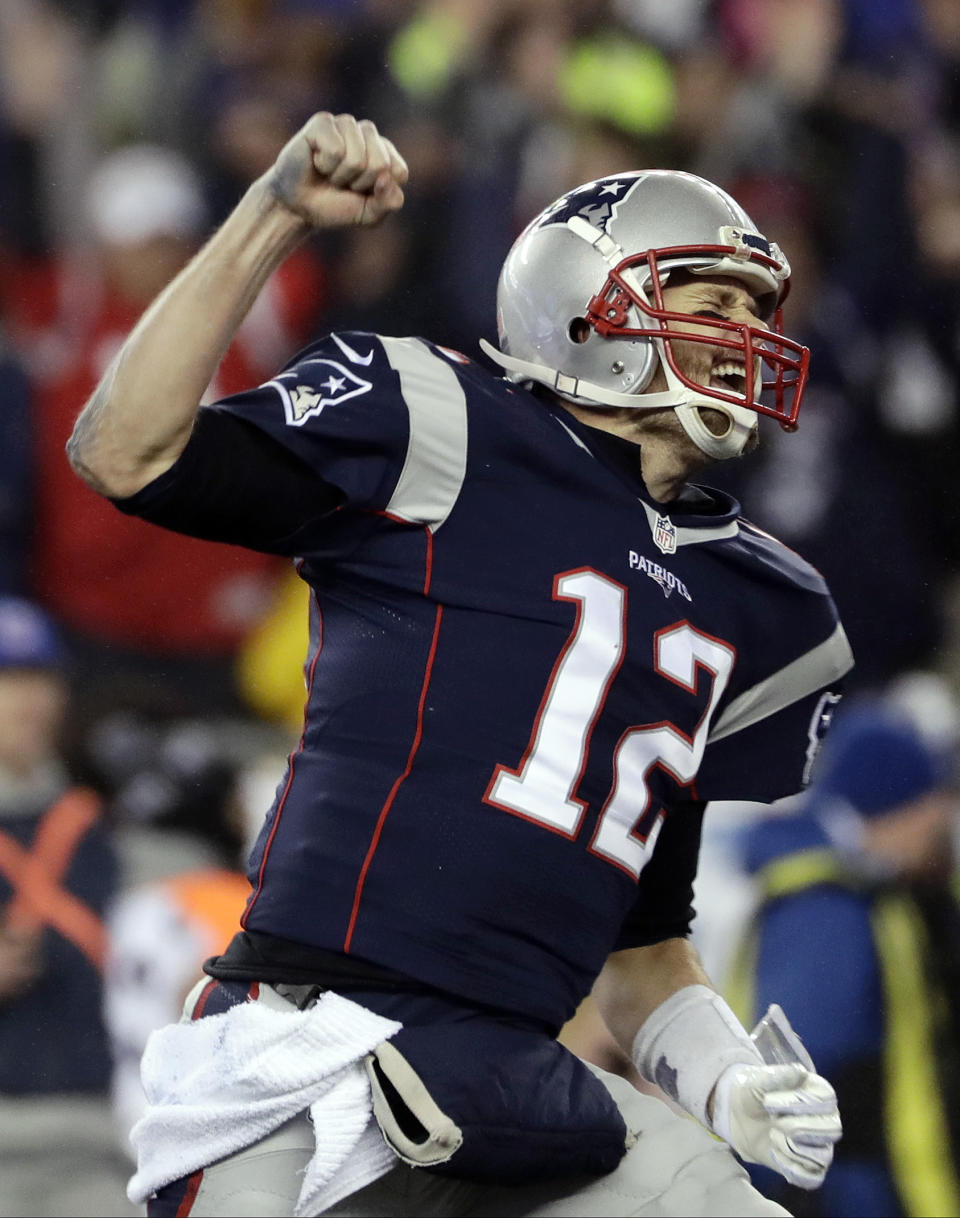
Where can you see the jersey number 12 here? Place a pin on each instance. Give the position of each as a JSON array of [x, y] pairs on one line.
[[542, 789]]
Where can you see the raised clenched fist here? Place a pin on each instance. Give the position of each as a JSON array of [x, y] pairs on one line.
[[338, 171]]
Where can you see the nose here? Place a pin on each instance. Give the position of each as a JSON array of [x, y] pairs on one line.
[[743, 312]]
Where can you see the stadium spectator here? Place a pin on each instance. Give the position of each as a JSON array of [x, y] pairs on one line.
[[175, 807], [57, 877], [856, 933], [756, 89], [160, 613]]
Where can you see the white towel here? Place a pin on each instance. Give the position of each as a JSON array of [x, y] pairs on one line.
[[218, 1084]]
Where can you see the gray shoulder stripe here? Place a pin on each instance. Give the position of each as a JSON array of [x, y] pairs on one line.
[[817, 668], [436, 460]]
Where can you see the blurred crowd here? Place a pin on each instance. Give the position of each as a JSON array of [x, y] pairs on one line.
[[128, 129]]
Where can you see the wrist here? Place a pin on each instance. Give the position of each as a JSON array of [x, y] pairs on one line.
[[271, 211], [688, 1044], [253, 241], [719, 1105]]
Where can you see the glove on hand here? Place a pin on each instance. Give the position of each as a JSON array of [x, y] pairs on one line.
[[784, 1117]]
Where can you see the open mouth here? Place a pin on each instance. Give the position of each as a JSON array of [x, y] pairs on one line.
[[730, 376]]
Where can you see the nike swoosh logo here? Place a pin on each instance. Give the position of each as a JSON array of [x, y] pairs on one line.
[[349, 352]]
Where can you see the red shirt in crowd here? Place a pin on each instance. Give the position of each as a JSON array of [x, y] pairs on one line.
[[106, 574]]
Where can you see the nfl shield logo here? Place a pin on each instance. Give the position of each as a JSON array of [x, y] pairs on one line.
[[665, 535]]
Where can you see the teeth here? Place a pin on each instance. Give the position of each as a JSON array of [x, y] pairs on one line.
[[730, 368]]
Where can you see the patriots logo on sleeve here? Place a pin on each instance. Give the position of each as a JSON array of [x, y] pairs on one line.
[[331, 383], [596, 202]]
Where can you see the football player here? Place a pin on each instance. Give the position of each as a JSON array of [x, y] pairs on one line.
[[537, 650]]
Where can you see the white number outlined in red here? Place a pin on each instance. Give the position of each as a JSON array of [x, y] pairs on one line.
[[542, 788]]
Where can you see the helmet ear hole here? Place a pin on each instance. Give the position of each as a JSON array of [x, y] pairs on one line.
[[579, 330]]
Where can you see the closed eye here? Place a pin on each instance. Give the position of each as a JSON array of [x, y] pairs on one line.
[[709, 313]]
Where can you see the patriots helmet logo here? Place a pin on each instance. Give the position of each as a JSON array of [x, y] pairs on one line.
[[597, 202]]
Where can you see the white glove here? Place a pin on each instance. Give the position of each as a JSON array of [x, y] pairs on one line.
[[784, 1117]]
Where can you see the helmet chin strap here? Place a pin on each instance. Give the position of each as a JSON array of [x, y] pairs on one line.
[[741, 422], [683, 400], [585, 393]]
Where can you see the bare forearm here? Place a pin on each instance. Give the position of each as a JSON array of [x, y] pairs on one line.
[[335, 172], [661, 1007], [140, 416], [685, 1038], [635, 982]]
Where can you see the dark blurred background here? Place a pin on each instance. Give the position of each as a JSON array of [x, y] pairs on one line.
[[129, 128]]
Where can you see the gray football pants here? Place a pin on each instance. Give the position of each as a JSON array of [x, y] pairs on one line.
[[675, 1168]]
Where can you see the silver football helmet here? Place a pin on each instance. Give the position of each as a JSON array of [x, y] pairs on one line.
[[580, 305]]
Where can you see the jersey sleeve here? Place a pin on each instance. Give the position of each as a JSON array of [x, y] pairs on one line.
[[341, 412], [382, 419], [770, 757], [354, 422], [234, 484], [763, 742]]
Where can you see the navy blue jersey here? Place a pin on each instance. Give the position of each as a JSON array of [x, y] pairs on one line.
[[522, 673]]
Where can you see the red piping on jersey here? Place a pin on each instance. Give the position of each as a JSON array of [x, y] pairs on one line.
[[254, 896], [193, 1187], [428, 559], [375, 840], [200, 1004]]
